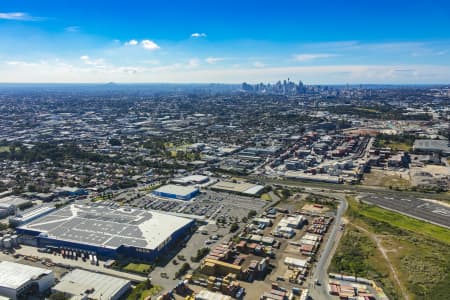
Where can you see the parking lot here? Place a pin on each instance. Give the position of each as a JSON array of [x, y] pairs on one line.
[[209, 204]]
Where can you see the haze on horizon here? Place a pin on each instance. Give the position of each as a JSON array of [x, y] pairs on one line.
[[318, 42]]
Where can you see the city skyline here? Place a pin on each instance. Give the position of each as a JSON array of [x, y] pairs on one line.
[[318, 43]]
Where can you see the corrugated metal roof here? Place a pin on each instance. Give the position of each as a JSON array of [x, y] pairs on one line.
[[14, 275], [102, 286]]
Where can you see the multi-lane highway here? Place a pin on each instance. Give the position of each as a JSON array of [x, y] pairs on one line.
[[429, 211]]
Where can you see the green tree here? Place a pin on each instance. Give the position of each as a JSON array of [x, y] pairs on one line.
[[234, 227]]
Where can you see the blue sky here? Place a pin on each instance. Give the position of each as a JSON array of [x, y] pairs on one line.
[[319, 42]]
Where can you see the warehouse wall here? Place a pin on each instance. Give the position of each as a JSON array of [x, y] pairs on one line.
[[7, 292], [133, 252], [175, 196], [100, 251]]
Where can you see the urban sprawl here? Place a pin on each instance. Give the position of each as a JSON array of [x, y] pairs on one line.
[[253, 191]]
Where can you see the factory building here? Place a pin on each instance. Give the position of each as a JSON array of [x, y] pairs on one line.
[[441, 147], [18, 281], [177, 192], [108, 232], [244, 188], [208, 295], [10, 204], [6, 210], [191, 180], [83, 285], [30, 215]]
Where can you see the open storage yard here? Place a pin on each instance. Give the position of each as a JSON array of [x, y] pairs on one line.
[[271, 257]]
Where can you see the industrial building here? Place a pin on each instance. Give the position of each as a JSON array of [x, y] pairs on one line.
[[244, 188], [82, 285], [208, 295], [441, 147], [10, 204], [313, 177], [108, 232], [30, 215], [176, 192], [295, 221], [191, 180], [17, 280]]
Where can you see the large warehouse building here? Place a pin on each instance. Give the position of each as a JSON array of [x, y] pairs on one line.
[[244, 188], [108, 232], [176, 192], [84, 285], [432, 146], [191, 180], [17, 281]]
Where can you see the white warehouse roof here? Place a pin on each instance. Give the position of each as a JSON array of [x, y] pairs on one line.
[[191, 179], [14, 275], [208, 295], [77, 282], [176, 189], [106, 227]]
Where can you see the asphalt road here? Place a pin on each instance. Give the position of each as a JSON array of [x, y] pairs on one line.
[[421, 209], [32, 251], [320, 273]]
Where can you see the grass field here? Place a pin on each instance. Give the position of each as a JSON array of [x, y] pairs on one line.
[[395, 146], [385, 179], [4, 149], [266, 197], [138, 268], [153, 291], [144, 290], [423, 266], [371, 110], [357, 255], [407, 223], [151, 187], [418, 251]]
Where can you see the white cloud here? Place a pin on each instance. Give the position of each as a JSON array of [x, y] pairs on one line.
[[152, 62], [258, 64], [16, 16], [198, 35], [97, 63], [193, 62], [312, 56], [149, 45], [131, 43], [20, 63], [214, 60], [72, 29], [97, 70]]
